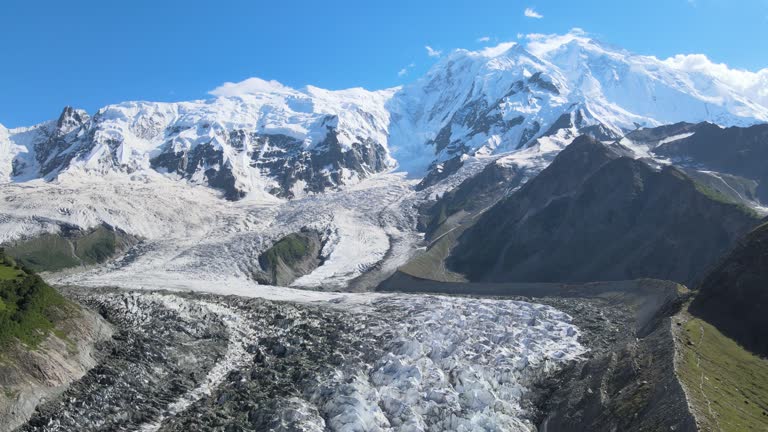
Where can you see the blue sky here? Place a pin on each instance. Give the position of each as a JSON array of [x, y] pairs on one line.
[[92, 53]]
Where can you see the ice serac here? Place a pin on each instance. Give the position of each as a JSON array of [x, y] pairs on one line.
[[260, 136]]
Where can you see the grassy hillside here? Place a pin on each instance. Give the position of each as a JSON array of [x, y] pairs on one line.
[[727, 386], [28, 306], [289, 249], [52, 252]]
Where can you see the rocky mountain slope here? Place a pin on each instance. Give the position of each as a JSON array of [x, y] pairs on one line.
[[470, 197], [46, 342], [734, 296], [732, 151], [720, 340], [596, 214]]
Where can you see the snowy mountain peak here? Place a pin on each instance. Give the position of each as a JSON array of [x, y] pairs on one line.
[[71, 119], [553, 87], [259, 136]]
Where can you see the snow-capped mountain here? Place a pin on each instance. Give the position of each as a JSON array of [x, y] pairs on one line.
[[271, 138], [556, 86], [258, 136]]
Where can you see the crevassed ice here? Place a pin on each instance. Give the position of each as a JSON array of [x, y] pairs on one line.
[[456, 365]]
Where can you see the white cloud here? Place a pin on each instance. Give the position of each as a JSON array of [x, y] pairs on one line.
[[541, 44], [753, 85], [530, 13], [484, 39], [520, 35], [432, 52], [498, 49], [249, 86]]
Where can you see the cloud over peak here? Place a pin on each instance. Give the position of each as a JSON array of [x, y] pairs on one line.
[[754, 85], [249, 86], [433, 52]]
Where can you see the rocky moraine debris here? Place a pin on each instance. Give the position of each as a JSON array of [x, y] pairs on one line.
[[193, 362]]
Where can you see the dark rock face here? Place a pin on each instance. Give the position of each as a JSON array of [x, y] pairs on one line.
[[291, 257], [59, 142], [321, 168], [538, 80], [205, 158], [594, 214], [280, 157], [657, 134], [734, 296], [472, 195], [440, 171], [737, 151], [575, 119]]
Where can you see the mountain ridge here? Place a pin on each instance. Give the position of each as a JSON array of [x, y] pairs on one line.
[[596, 213], [261, 137]]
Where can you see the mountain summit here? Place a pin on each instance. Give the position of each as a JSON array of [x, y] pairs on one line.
[[260, 136]]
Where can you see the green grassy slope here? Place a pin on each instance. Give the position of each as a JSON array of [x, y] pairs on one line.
[[290, 249], [727, 386], [52, 252], [28, 306]]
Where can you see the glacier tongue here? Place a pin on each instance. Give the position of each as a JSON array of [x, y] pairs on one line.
[[359, 362], [424, 381]]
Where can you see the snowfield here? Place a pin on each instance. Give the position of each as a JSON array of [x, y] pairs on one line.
[[190, 233]]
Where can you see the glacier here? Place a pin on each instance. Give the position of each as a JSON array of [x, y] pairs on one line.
[[378, 362]]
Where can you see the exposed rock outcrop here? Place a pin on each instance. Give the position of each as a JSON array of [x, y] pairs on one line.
[[291, 257]]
